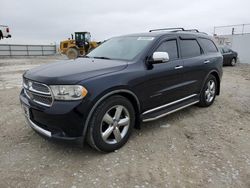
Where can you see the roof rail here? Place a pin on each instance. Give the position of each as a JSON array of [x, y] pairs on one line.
[[196, 30], [165, 29], [176, 29]]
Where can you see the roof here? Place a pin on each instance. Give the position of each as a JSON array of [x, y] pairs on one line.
[[162, 32], [170, 33]]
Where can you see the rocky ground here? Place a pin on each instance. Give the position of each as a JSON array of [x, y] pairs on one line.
[[195, 147]]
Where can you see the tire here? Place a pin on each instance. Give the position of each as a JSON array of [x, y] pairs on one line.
[[106, 132], [72, 53], [208, 92], [233, 62], [1, 35]]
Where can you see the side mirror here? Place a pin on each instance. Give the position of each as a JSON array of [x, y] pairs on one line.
[[160, 57]]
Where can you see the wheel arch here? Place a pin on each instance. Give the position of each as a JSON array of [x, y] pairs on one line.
[[131, 96], [216, 75]]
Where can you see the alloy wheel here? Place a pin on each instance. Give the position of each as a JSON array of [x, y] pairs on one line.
[[115, 124], [210, 91], [233, 62]]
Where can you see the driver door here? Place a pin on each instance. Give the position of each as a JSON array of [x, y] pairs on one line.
[[164, 81]]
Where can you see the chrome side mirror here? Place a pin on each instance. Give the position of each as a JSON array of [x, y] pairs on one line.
[[160, 57]]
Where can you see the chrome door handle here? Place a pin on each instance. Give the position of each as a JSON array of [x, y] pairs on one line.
[[206, 62], [178, 67]]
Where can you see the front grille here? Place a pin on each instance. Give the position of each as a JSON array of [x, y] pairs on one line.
[[40, 87], [38, 92]]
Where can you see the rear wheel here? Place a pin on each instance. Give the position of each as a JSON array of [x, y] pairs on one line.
[[72, 53], [111, 124], [1, 35], [233, 62], [208, 92]]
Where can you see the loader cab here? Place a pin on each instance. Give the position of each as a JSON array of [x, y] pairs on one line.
[[82, 39]]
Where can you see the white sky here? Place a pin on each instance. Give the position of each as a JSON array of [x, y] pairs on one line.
[[49, 21]]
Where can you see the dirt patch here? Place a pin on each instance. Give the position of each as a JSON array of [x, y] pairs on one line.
[[195, 147]]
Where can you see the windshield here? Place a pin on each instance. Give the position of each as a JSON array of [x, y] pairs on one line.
[[122, 48]]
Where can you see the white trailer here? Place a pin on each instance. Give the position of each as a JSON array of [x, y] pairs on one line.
[[4, 32]]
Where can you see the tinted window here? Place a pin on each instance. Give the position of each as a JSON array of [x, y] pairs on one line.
[[190, 48], [221, 49], [208, 45], [170, 47], [122, 48], [226, 50]]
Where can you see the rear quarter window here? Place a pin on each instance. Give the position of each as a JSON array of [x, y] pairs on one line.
[[208, 45], [190, 48]]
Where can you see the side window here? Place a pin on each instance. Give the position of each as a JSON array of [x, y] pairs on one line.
[[226, 50], [208, 45], [170, 47], [221, 50], [190, 48]]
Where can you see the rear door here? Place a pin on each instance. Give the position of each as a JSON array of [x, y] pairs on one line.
[[194, 61]]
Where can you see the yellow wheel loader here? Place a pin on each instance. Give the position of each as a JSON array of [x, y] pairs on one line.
[[79, 46]]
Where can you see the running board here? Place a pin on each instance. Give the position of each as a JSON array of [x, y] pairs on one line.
[[167, 111]]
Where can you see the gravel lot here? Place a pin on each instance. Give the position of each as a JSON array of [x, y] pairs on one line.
[[195, 147]]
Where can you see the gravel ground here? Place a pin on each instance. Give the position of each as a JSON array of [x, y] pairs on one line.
[[195, 147]]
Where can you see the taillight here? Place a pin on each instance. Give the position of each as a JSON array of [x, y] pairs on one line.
[[7, 30]]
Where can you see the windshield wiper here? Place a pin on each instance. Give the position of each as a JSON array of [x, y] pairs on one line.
[[101, 57]]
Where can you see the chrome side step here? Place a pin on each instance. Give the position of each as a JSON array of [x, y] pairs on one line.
[[169, 104], [170, 112]]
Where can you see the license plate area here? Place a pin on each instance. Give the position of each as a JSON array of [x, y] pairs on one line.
[[26, 111]]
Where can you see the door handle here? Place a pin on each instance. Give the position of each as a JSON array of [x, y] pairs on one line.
[[206, 61], [178, 67]]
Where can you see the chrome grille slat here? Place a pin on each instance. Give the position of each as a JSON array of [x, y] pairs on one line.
[[40, 88], [38, 92]]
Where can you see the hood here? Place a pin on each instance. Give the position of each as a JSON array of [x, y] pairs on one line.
[[73, 71]]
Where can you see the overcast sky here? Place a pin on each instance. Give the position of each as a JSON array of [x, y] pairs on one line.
[[49, 21]]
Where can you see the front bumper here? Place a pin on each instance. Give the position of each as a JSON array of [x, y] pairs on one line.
[[62, 121], [53, 136]]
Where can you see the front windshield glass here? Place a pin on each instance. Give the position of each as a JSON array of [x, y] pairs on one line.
[[122, 48]]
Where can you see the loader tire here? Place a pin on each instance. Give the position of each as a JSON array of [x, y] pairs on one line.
[[72, 53]]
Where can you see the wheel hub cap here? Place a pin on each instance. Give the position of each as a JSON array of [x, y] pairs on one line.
[[210, 91], [115, 124]]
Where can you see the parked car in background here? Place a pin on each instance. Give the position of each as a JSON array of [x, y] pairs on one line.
[[128, 79], [229, 56], [4, 32]]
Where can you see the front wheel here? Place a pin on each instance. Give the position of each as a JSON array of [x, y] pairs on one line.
[[208, 92], [111, 124], [72, 53]]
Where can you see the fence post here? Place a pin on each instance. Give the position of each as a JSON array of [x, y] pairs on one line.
[[27, 49], [243, 25], [10, 50], [42, 51]]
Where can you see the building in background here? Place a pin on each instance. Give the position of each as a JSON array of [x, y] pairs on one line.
[[236, 37]]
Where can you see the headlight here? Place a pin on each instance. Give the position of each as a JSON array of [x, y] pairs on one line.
[[68, 92]]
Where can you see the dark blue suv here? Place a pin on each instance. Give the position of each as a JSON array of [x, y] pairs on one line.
[[125, 81]]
